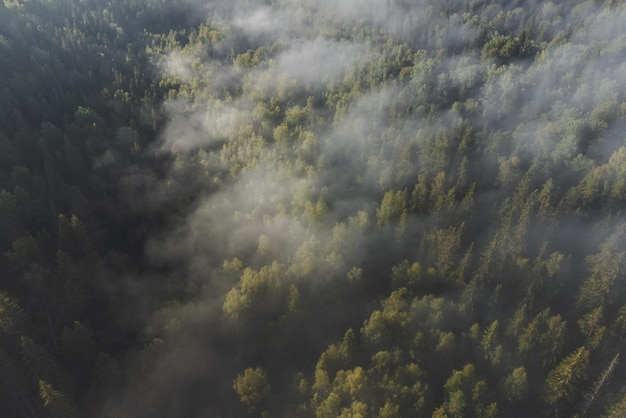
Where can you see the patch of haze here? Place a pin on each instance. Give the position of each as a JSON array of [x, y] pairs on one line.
[[355, 133], [271, 24], [190, 367], [215, 76], [178, 65], [142, 189], [263, 202], [564, 75], [438, 26], [578, 80], [351, 10], [229, 223], [191, 129], [319, 61], [451, 33], [109, 157]]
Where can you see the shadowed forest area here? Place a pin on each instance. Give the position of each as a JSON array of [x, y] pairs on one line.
[[312, 208]]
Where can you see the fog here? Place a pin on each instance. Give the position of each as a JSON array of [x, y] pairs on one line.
[[310, 202]]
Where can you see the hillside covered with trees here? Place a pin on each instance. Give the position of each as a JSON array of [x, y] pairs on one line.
[[312, 208]]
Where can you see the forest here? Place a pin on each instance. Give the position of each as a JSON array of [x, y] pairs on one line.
[[312, 208]]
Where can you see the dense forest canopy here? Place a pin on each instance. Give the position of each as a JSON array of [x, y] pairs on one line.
[[299, 208]]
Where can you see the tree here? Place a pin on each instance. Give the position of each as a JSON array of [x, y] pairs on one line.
[[603, 285], [392, 208], [516, 385], [505, 48], [491, 344], [337, 356], [253, 390], [444, 247], [9, 228], [591, 327], [78, 349], [465, 394], [13, 320], [599, 383], [413, 276], [543, 338], [54, 402], [254, 292], [108, 377], [41, 365], [389, 410], [616, 410], [388, 327], [562, 382], [15, 396]]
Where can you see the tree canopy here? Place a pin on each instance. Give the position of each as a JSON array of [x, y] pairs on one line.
[[294, 208]]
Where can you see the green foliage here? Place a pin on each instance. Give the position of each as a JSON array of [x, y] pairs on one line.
[[54, 402], [255, 289], [465, 395], [616, 410], [445, 247], [389, 209], [516, 385], [493, 350], [392, 208], [544, 337], [389, 325], [603, 286], [252, 389], [561, 383], [506, 48], [413, 276], [13, 320]]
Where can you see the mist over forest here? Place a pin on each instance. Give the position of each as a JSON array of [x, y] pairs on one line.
[[299, 208]]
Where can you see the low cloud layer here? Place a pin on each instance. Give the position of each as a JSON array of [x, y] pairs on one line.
[[287, 195]]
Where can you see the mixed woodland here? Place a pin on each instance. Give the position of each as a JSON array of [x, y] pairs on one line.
[[299, 208]]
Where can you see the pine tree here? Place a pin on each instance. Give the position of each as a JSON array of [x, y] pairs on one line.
[[562, 382], [55, 402], [592, 395], [252, 389], [516, 384]]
